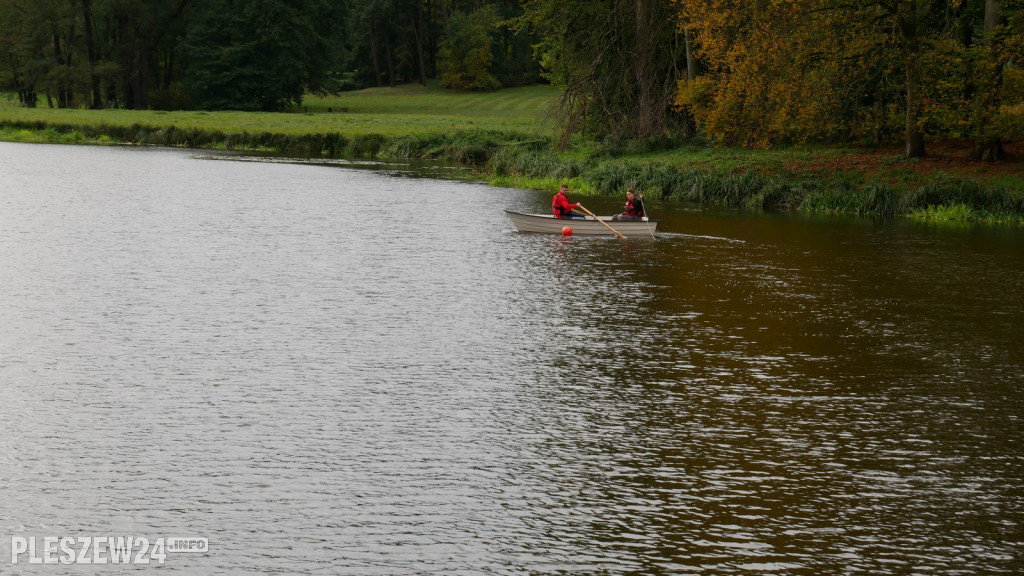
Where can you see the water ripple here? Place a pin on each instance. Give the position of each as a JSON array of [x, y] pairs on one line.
[[315, 369]]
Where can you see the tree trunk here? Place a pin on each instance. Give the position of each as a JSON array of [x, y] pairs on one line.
[[692, 64], [907, 24], [418, 29], [373, 56], [914, 136], [134, 60], [140, 68], [28, 98], [641, 43], [124, 58], [27, 94], [390, 60], [989, 147], [168, 69], [430, 50], [65, 96], [989, 150], [112, 101], [90, 43], [141, 75], [992, 19], [881, 117]]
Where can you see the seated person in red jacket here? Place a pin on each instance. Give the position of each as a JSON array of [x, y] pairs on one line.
[[634, 208], [561, 207]]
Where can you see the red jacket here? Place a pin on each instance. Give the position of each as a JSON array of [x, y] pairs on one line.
[[634, 207], [560, 205]]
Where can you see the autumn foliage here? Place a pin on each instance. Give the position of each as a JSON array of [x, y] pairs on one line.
[[783, 71]]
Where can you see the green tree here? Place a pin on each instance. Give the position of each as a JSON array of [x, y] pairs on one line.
[[23, 46], [393, 41], [259, 54], [70, 49], [40, 40], [465, 55], [1001, 49], [513, 62], [617, 62], [137, 33]]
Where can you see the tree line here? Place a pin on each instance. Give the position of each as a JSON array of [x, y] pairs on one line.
[[735, 72], [252, 54]]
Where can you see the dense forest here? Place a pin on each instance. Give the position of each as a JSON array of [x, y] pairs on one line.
[[754, 73]]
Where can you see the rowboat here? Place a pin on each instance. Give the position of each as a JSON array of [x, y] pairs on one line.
[[548, 224]]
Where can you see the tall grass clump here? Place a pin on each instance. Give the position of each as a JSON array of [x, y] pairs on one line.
[[946, 192], [836, 198], [779, 195], [478, 147], [955, 212], [470, 147], [948, 199], [706, 187], [330, 144], [750, 188], [525, 162], [411, 146], [614, 177], [366, 145], [882, 200]]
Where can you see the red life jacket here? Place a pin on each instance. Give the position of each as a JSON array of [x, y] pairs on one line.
[[634, 207], [560, 205]]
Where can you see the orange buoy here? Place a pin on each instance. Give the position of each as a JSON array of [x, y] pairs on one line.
[[567, 231]]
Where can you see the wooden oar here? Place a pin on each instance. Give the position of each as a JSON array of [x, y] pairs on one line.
[[617, 233]]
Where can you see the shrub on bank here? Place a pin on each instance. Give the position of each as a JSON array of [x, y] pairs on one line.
[[516, 159]]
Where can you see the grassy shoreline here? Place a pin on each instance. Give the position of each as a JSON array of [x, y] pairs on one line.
[[507, 139]]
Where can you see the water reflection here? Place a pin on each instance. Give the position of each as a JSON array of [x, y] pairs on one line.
[[318, 370], [399, 167]]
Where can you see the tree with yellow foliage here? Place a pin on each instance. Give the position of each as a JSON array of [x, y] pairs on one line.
[[795, 70]]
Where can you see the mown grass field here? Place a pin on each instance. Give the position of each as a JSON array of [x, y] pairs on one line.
[[508, 137], [512, 108], [386, 111]]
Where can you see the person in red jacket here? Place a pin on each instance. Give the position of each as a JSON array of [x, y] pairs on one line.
[[634, 208], [560, 205]]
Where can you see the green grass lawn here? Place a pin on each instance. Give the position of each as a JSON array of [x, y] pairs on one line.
[[387, 111]]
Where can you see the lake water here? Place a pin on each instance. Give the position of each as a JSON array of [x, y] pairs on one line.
[[331, 370]]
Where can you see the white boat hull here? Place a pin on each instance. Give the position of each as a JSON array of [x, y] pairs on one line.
[[548, 224]]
